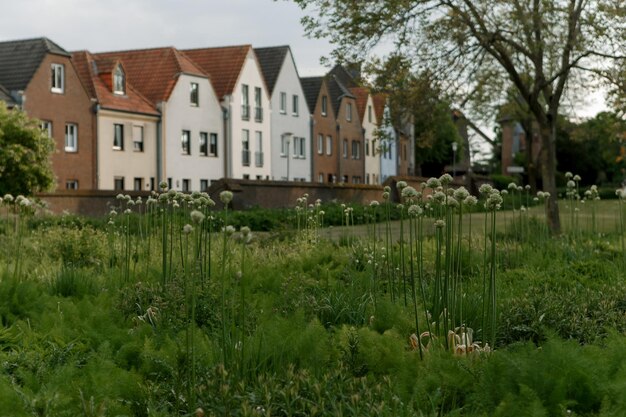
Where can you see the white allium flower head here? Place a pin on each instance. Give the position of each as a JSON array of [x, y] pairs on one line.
[[445, 179], [409, 192], [470, 200], [120, 196], [245, 230], [439, 224], [386, 195], [374, 203], [127, 211], [8, 198], [163, 185], [197, 216], [527, 187], [568, 175], [461, 193], [485, 189], [577, 178], [387, 189], [439, 197], [452, 202], [571, 184], [504, 192], [415, 210], [226, 197], [512, 186], [433, 183], [187, 229], [229, 230], [401, 185]]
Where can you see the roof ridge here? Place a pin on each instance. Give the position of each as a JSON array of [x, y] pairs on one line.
[[122, 51], [249, 45]]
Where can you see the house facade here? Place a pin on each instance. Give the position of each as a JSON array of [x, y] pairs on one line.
[[190, 140], [241, 89], [41, 79], [290, 121], [126, 126], [388, 141], [367, 114]]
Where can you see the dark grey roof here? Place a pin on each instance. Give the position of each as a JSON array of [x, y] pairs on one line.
[[344, 76], [6, 97], [311, 87], [20, 59], [271, 60], [337, 91]]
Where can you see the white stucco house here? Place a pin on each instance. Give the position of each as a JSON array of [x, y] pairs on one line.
[[290, 121], [239, 84], [190, 135]]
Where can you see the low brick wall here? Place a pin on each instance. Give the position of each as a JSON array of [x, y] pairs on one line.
[[247, 194]]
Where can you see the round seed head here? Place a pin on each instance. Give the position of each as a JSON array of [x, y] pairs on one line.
[[187, 229], [568, 175], [226, 197], [445, 179], [197, 216], [401, 185], [485, 189], [433, 183], [461, 193]]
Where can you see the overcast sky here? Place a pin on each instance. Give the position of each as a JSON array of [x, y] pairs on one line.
[[99, 25], [105, 25]]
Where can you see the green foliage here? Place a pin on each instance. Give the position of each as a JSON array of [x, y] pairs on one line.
[[25, 150]]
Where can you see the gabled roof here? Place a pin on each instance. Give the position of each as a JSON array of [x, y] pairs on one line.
[[337, 91], [6, 97], [154, 72], [223, 65], [96, 76], [20, 59], [311, 87], [344, 76], [361, 94], [271, 60], [380, 100]]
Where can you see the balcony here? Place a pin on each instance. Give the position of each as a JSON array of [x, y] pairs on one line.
[[245, 157], [245, 112], [258, 114], [258, 159]]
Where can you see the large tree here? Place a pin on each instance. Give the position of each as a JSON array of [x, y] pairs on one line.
[[24, 154], [543, 48]]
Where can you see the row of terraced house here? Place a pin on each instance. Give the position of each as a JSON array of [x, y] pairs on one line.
[[127, 120]]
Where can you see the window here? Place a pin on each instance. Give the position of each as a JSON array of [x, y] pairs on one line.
[[258, 107], [283, 103], [258, 155], [118, 137], [367, 178], [295, 106], [152, 184], [186, 185], [245, 147], [367, 148], [138, 184], [204, 146], [184, 141], [71, 185], [344, 179], [46, 126], [71, 137], [284, 145], [138, 138], [349, 112], [213, 144], [320, 144], [204, 185], [298, 147], [118, 183], [404, 152], [329, 145], [246, 176], [169, 183], [369, 114], [345, 148], [194, 99], [58, 78], [356, 150], [324, 105], [331, 178], [320, 178], [245, 102], [119, 81]]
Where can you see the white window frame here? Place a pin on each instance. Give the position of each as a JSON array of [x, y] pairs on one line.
[[71, 184], [283, 102], [46, 126], [71, 137], [138, 144], [324, 105], [203, 137], [213, 150], [118, 74], [194, 94], [118, 141], [185, 134], [58, 78], [329, 145], [349, 112], [295, 105], [320, 144]]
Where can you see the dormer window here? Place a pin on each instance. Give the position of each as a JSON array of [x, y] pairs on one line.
[[58, 79], [119, 81], [194, 95]]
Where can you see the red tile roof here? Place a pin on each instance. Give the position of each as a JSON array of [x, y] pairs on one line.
[[96, 76], [222, 64], [361, 94], [380, 100], [154, 72]]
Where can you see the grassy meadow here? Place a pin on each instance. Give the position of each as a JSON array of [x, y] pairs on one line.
[[447, 304]]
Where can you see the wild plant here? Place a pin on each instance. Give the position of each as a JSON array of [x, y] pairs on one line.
[[23, 207], [621, 196], [225, 197], [388, 250], [593, 196], [493, 203]]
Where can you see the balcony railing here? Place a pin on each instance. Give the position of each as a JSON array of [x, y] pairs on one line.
[[258, 114], [245, 112], [258, 159], [245, 157]]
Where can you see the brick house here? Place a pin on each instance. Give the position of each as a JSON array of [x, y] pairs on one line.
[[40, 78]]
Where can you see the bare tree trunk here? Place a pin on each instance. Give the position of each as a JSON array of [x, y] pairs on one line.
[[548, 174], [531, 167]]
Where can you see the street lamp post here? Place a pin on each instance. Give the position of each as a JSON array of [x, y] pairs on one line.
[[454, 147]]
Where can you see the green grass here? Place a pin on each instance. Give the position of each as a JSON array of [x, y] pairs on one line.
[[307, 326]]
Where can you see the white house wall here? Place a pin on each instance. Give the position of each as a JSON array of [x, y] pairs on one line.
[[181, 115], [126, 163], [389, 158], [372, 158], [251, 76], [288, 124]]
